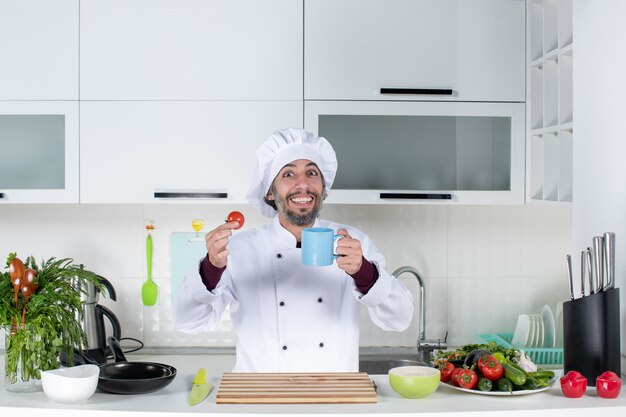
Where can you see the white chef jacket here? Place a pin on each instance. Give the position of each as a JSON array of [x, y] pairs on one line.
[[290, 317]]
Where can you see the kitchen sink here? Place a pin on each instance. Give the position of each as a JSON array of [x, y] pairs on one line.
[[381, 364]]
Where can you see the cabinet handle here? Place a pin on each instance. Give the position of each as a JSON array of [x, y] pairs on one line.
[[190, 194], [419, 91], [2, 196], [416, 196]]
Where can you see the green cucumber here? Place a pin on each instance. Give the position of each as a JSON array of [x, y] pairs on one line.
[[504, 384], [516, 376]]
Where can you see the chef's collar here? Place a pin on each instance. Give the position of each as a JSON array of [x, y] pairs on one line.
[[285, 237]]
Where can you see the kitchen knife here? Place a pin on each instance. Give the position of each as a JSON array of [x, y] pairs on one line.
[[590, 271], [200, 389], [568, 258], [597, 259], [583, 271], [609, 263]]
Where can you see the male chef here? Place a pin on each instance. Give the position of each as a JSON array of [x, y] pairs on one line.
[[290, 317]]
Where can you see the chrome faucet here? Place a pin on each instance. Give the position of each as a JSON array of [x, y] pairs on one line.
[[425, 347]]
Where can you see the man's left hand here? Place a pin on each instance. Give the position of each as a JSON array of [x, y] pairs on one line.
[[351, 255]]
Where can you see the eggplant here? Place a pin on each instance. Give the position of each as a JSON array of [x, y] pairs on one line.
[[474, 355]]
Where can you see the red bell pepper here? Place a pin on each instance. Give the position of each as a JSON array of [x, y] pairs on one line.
[[573, 384], [608, 385]]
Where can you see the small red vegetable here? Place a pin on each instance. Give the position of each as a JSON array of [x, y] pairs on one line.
[[236, 216], [446, 369], [573, 384], [490, 367], [608, 384], [456, 374], [468, 379]]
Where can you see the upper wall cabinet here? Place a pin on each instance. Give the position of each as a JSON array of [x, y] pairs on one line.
[[160, 151], [39, 50], [191, 50], [39, 140], [415, 50]]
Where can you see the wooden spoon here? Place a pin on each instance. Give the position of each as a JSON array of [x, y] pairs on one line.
[[29, 287], [16, 273]]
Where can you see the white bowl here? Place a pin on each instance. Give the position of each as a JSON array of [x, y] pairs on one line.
[[68, 385]]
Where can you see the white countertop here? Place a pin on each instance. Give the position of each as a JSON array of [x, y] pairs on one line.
[[172, 400]]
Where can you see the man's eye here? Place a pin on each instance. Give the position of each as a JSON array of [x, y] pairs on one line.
[[313, 173], [288, 174]]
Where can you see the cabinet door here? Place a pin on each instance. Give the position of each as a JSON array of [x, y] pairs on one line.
[[143, 152], [39, 50], [191, 50], [417, 152], [39, 140], [355, 48]]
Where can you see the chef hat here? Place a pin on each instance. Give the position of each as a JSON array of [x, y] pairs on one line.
[[281, 148]]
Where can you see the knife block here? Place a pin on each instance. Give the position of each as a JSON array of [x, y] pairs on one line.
[[591, 335]]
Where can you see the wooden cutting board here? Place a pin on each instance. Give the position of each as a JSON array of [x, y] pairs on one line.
[[296, 388]]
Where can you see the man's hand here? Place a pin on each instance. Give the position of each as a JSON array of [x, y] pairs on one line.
[[217, 243], [351, 255]]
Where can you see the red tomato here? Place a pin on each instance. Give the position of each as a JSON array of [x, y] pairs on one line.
[[235, 216], [608, 384], [573, 384], [446, 369], [490, 367], [456, 374], [467, 379]]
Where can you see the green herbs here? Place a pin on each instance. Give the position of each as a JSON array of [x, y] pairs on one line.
[[51, 321], [511, 354]]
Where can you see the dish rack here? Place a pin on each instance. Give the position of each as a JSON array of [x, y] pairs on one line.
[[540, 356]]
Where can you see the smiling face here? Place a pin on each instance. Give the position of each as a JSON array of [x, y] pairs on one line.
[[298, 192]]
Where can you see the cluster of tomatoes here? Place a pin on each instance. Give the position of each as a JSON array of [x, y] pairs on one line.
[[487, 366], [574, 384]]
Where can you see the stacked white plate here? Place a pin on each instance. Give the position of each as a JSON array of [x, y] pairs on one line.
[[535, 330]]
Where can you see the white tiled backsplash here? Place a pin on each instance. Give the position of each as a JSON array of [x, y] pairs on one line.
[[482, 265]]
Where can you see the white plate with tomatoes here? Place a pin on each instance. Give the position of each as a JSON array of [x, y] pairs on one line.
[[551, 382]]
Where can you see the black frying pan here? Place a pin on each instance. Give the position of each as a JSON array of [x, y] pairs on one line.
[[123, 377]]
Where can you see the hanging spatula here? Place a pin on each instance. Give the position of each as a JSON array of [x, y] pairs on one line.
[[149, 289]]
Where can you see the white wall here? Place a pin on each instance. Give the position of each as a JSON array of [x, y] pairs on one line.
[[599, 136], [482, 265]]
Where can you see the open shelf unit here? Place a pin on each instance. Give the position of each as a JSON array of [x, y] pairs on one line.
[[549, 101]]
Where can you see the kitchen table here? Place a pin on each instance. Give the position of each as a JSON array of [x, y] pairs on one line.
[[172, 400]]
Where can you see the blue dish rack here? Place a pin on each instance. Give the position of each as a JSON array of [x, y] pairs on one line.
[[540, 356]]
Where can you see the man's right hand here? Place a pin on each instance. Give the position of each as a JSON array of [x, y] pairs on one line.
[[217, 243]]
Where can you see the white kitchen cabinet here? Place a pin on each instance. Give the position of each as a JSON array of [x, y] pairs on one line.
[[550, 101], [147, 152], [191, 50], [465, 50], [423, 152], [39, 140], [39, 50]]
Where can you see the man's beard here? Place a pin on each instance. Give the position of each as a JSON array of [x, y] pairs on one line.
[[299, 219]]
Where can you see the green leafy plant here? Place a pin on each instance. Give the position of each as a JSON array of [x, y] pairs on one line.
[[51, 322]]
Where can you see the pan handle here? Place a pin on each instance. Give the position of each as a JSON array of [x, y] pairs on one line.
[[116, 348]]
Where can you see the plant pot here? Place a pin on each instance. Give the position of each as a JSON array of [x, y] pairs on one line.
[[22, 371]]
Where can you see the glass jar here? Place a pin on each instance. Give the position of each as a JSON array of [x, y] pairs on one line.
[[21, 370]]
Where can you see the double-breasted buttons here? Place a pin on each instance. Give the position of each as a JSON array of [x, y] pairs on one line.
[[285, 347], [321, 344], [282, 303], [319, 300], [279, 255]]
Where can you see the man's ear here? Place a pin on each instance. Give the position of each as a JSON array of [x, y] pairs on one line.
[[269, 196]]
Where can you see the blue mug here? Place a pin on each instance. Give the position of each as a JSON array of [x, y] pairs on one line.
[[318, 246]]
